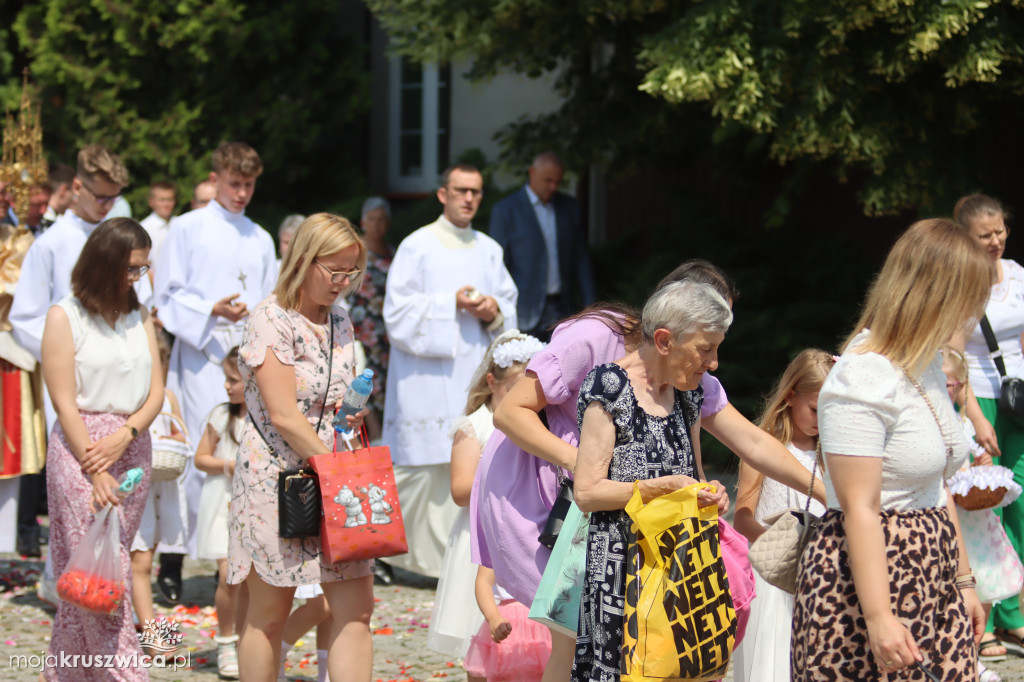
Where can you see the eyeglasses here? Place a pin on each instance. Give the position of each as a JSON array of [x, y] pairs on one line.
[[339, 277], [100, 199], [473, 192], [136, 273]]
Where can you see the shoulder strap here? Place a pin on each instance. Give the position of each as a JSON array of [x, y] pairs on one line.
[[330, 360], [993, 345]]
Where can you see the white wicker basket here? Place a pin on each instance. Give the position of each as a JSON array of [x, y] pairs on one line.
[[170, 456]]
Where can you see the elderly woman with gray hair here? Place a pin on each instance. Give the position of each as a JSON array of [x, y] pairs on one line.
[[639, 418], [367, 303]]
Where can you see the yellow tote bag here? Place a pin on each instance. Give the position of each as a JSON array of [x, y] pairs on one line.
[[679, 621]]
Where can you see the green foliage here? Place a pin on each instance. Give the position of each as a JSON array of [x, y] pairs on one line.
[[163, 83], [890, 87], [901, 97]]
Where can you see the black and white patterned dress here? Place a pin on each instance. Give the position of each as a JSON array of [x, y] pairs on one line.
[[645, 447]]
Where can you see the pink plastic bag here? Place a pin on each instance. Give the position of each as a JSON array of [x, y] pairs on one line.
[[93, 579], [741, 574]]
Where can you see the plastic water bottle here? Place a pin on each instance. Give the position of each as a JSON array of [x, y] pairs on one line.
[[128, 481], [355, 399]]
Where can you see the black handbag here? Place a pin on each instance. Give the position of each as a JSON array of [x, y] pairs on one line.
[[1011, 389], [556, 517], [299, 506]]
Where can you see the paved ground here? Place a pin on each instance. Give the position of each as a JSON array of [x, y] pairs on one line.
[[400, 625]]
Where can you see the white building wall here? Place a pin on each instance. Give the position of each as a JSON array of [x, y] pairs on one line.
[[481, 109]]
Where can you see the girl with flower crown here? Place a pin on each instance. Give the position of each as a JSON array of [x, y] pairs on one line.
[[456, 617]]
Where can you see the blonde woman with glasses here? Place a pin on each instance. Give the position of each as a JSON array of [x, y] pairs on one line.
[[297, 359]]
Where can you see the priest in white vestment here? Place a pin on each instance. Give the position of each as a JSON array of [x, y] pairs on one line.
[[215, 266], [448, 295]]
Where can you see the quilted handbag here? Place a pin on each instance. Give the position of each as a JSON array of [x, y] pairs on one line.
[[298, 504], [776, 554]]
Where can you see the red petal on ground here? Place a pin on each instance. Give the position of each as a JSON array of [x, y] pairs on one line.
[[384, 631]]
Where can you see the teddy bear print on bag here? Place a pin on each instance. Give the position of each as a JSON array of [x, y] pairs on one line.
[[379, 509], [354, 515]]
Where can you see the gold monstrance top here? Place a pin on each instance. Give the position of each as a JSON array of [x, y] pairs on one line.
[[23, 165]]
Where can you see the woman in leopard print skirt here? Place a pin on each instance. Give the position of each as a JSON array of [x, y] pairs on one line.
[[884, 587]]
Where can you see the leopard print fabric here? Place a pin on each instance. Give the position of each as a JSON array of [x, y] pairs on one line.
[[830, 640]]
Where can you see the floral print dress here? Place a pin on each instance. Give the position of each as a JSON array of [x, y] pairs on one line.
[[645, 447], [367, 311], [253, 531]]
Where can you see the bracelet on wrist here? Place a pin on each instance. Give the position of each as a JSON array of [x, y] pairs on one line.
[[966, 581], [131, 429]]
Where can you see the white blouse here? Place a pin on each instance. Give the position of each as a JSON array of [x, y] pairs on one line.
[[113, 366], [776, 497], [1005, 311], [868, 408]]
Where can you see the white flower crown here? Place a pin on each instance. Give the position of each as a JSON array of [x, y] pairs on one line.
[[517, 350]]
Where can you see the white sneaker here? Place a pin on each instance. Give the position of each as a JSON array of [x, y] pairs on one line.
[[227, 656]]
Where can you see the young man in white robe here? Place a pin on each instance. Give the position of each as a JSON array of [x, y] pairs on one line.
[[162, 199], [215, 266], [46, 271], [448, 295]]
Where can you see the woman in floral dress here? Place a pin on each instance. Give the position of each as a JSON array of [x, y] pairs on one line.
[[290, 341], [367, 304]]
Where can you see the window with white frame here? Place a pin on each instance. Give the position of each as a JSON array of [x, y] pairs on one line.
[[419, 105]]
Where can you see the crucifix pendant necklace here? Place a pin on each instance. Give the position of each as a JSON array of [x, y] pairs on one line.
[[241, 277]]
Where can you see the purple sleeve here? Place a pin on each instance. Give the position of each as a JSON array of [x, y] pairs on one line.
[[575, 349], [715, 399]]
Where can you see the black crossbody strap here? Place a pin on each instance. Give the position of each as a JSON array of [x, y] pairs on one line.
[[993, 345], [323, 407]]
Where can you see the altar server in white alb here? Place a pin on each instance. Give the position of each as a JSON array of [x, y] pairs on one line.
[[215, 266], [448, 296], [46, 270]]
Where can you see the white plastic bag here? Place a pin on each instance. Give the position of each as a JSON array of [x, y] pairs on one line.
[[93, 579]]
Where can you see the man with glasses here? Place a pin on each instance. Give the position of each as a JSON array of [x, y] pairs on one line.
[[448, 295]]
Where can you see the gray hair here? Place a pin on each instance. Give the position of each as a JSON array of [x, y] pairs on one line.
[[374, 203], [547, 157], [290, 224], [684, 308]]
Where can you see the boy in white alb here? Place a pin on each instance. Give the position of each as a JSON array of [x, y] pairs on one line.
[[215, 266], [162, 199]]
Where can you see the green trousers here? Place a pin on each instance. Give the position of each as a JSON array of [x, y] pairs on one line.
[[1006, 613]]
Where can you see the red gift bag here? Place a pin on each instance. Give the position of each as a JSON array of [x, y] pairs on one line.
[[361, 515]]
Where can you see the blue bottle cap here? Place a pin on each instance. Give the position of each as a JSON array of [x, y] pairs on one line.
[[132, 478]]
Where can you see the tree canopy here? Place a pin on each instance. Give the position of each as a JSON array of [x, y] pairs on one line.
[[913, 99], [163, 83]]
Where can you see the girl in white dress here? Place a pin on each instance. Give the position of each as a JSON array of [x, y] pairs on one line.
[[456, 617], [791, 415], [215, 456]]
